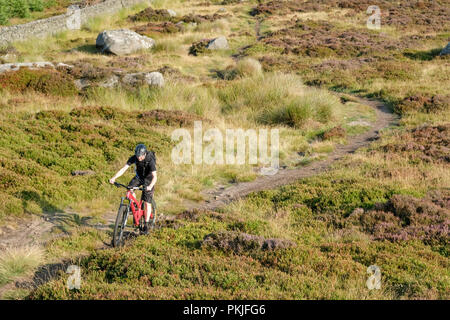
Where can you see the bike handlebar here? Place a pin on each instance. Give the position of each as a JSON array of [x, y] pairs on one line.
[[126, 187]]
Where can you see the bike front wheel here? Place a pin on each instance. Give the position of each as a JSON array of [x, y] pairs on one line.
[[121, 222]]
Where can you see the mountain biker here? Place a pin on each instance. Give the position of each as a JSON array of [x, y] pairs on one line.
[[145, 175]]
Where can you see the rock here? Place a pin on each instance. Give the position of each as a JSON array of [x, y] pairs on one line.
[[218, 43], [172, 13], [150, 78], [222, 10], [110, 82], [155, 79], [446, 50], [31, 65], [63, 65], [82, 83], [7, 67], [122, 41]]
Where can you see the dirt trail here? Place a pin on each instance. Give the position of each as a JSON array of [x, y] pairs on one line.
[[221, 197]]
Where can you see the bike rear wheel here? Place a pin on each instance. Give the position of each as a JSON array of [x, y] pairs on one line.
[[152, 220], [121, 222]]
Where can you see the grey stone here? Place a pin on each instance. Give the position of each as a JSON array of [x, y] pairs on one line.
[[150, 78], [218, 43], [155, 79], [122, 41], [110, 82], [63, 65], [82, 83], [446, 50], [31, 65]]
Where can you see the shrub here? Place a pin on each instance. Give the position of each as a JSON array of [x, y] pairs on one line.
[[336, 132], [20, 9], [422, 103], [404, 218], [46, 81], [199, 47], [4, 12], [36, 5]]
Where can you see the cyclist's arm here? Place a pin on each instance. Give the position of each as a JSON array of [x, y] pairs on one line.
[[119, 173], [154, 179]]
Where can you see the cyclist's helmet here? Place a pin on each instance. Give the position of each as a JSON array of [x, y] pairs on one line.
[[141, 150]]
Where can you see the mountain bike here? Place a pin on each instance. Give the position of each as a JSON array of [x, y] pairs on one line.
[[130, 204]]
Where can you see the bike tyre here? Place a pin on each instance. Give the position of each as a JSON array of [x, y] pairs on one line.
[[119, 227]]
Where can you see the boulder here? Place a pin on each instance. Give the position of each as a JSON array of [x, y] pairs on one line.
[[218, 43], [155, 79], [82, 83], [122, 41], [110, 82], [150, 78], [446, 50]]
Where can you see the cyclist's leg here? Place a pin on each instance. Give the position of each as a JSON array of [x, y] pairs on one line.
[[147, 198], [135, 182]]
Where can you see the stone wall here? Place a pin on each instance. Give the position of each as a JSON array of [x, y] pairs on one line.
[[46, 27]]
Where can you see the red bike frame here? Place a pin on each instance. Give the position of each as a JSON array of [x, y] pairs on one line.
[[139, 212]]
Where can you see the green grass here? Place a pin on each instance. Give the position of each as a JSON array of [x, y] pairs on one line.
[[27, 10], [329, 261], [46, 135], [18, 262]]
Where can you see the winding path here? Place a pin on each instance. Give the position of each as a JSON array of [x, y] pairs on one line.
[[221, 197]]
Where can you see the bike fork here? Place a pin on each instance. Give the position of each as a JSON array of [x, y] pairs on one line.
[[125, 218]]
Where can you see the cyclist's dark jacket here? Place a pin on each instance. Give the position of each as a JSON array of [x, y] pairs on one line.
[[145, 167]]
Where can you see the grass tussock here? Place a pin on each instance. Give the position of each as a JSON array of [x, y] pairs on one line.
[[18, 262], [278, 99]]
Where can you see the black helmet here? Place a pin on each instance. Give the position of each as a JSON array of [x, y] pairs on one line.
[[140, 150]]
